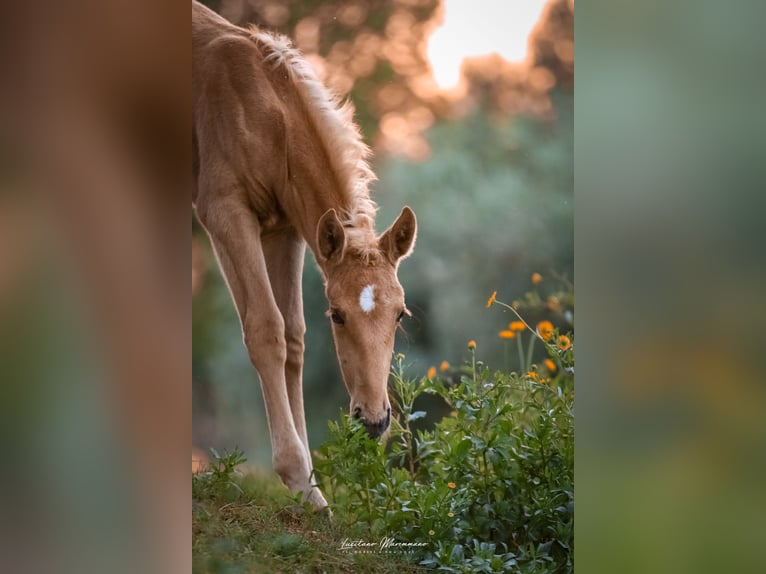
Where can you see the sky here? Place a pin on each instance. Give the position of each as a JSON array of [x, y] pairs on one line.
[[477, 28]]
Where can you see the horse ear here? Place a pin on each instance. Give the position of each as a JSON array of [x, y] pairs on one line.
[[331, 238], [399, 239]]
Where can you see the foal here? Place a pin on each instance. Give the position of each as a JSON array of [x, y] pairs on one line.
[[278, 165]]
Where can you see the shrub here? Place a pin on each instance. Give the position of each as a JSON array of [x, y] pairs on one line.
[[220, 478], [488, 488]]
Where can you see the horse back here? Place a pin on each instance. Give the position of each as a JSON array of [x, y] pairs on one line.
[[238, 132]]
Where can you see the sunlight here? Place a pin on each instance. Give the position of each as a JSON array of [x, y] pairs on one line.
[[480, 28]]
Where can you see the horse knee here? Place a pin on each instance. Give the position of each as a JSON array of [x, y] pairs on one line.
[[265, 341], [295, 331], [294, 342]]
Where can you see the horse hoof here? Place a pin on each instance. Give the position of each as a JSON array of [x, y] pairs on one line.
[[316, 499]]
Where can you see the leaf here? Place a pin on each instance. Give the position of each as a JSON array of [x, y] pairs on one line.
[[478, 442], [544, 548], [416, 415], [463, 448]]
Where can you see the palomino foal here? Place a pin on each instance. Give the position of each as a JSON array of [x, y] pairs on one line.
[[278, 165]]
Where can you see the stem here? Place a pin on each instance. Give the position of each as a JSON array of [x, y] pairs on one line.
[[536, 334], [486, 481], [367, 496], [529, 354], [410, 452], [520, 350]]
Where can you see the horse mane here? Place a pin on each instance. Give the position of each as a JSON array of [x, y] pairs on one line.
[[339, 135]]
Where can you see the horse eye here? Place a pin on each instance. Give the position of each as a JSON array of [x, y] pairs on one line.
[[336, 317]]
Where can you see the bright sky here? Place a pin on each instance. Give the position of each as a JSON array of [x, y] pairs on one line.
[[477, 28]]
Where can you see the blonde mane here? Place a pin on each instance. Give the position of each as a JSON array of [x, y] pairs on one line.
[[340, 136]]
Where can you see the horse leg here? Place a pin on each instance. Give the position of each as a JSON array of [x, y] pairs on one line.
[[236, 237], [284, 259]]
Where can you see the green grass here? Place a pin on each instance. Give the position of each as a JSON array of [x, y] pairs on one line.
[[249, 523]]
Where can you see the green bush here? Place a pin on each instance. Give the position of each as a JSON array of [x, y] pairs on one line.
[[220, 478], [489, 488]]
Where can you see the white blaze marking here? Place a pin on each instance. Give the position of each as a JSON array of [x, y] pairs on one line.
[[366, 300]]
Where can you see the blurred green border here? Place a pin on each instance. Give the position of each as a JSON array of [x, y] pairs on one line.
[[670, 192]]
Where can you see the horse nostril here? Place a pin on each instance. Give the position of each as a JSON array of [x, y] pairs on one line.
[[357, 412], [377, 429]]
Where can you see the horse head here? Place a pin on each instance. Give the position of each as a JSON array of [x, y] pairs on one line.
[[366, 307]]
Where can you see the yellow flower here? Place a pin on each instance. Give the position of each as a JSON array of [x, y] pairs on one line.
[[431, 532], [491, 299], [536, 278], [532, 375], [545, 329], [450, 514], [550, 365], [431, 372], [444, 366], [451, 484], [471, 344], [564, 342], [517, 326], [507, 334]]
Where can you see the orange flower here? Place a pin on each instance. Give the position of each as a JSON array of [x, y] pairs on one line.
[[491, 299], [545, 329], [517, 326], [507, 334], [532, 375], [444, 366], [431, 372], [451, 484], [550, 365], [471, 344], [536, 278], [564, 342]]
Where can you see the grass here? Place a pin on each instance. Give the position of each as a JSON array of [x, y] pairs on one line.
[[249, 523]]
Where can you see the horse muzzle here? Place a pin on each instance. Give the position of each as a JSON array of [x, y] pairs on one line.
[[375, 426]]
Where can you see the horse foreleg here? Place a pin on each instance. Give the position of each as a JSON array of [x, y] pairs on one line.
[[236, 237], [284, 259]]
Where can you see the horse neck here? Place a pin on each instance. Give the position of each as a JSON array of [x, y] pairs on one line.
[[312, 187]]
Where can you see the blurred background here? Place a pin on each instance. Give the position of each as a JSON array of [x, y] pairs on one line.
[[469, 109]]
